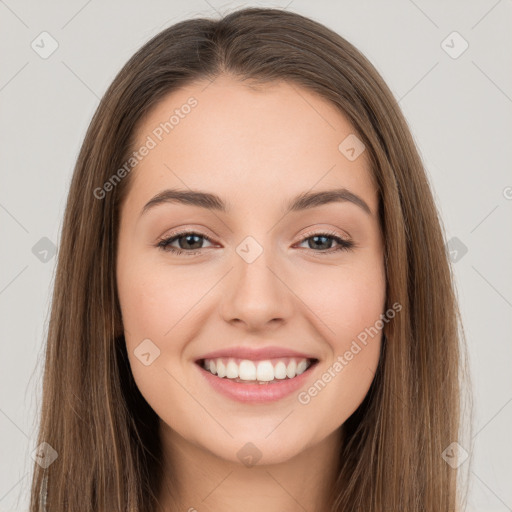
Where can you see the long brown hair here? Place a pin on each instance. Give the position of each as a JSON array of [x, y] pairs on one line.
[[92, 414]]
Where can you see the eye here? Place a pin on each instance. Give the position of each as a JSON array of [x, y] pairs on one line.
[[324, 241], [190, 245]]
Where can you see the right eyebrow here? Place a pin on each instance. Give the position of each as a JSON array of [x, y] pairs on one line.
[[190, 197]]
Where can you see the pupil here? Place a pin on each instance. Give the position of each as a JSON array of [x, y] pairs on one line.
[[327, 244], [189, 237]]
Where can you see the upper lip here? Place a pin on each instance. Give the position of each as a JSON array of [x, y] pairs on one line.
[[256, 354]]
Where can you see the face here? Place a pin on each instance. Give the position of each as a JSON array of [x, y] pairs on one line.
[[245, 273]]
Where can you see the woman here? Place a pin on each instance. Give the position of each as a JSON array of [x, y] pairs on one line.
[[253, 305]]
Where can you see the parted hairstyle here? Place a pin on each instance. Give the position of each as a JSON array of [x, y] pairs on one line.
[[92, 413]]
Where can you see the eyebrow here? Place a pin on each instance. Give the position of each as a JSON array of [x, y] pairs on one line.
[[210, 201]]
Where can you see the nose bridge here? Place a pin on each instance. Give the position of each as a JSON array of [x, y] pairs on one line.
[[256, 293]]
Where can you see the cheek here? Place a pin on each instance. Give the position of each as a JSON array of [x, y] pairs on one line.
[[152, 306], [159, 305], [143, 305], [350, 306], [153, 299], [347, 301]]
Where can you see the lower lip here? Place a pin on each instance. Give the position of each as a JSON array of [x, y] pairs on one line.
[[256, 393]]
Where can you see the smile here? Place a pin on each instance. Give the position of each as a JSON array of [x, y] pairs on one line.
[[262, 372], [257, 381]]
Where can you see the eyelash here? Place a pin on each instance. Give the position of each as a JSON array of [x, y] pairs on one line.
[[164, 244]]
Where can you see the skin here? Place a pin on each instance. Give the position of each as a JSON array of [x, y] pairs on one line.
[[256, 148]]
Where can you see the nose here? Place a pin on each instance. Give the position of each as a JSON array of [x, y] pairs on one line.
[[256, 294]]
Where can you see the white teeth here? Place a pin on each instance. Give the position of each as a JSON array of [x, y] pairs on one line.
[[247, 370], [232, 370], [261, 371], [265, 371], [280, 370], [221, 369], [301, 367], [290, 369]]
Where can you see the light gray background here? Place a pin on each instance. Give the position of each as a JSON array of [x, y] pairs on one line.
[[459, 110]]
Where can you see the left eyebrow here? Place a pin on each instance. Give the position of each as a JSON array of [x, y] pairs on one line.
[[313, 199], [210, 201]]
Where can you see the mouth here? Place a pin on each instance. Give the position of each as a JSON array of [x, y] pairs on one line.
[[262, 372]]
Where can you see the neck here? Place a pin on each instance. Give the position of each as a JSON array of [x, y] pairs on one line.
[[197, 480]]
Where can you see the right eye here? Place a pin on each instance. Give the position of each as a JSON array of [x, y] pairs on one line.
[[191, 239]]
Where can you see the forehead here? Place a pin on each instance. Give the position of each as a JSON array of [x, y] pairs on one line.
[[237, 140]]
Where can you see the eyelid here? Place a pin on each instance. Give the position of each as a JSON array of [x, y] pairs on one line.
[[201, 231], [344, 242], [326, 231], [178, 234], [312, 232]]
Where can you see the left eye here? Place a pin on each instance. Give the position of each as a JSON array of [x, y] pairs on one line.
[[321, 239], [190, 243]]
